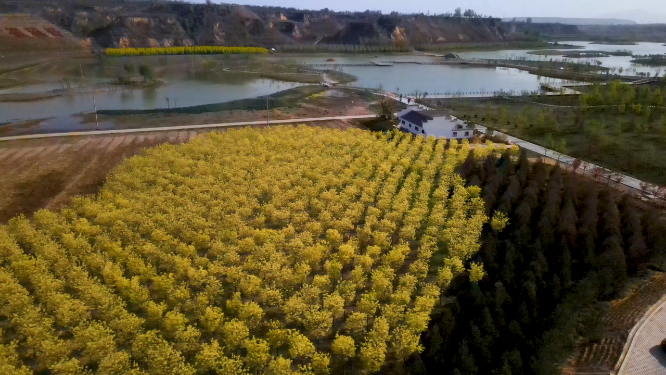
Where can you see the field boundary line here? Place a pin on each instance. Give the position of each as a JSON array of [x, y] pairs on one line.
[[181, 127], [629, 345]]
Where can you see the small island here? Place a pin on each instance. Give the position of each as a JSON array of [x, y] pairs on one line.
[[615, 42], [650, 60]]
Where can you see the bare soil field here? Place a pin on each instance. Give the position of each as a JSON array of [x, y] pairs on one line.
[[45, 173], [29, 33]]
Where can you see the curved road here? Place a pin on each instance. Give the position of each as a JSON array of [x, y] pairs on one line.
[[644, 356], [184, 127]]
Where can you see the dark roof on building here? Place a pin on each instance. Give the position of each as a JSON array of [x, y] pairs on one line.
[[416, 117]]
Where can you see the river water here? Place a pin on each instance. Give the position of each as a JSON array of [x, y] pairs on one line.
[[624, 62], [182, 90], [181, 93], [433, 79]]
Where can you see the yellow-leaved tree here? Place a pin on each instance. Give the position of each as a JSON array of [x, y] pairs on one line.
[[254, 250]]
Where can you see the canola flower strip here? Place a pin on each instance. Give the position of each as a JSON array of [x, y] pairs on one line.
[[245, 251], [192, 50]]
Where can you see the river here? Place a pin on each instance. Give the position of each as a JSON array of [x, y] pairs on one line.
[[182, 90], [624, 62]]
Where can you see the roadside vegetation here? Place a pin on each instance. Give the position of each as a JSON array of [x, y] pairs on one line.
[[619, 126]]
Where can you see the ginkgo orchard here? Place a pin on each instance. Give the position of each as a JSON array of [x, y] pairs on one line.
[[280, 250]]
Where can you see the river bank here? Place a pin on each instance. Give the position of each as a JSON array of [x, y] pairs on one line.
[[300, 102]]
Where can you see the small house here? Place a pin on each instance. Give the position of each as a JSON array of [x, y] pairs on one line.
[[429, 123]]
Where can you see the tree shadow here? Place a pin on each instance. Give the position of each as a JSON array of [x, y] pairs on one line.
[[659, 354]]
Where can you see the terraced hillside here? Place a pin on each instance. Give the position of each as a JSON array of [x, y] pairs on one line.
[[28, 33]]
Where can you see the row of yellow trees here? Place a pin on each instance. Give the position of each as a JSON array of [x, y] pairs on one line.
[[249, 251], [193, 50]]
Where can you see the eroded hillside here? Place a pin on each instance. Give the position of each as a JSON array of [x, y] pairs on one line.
[[180, 24]]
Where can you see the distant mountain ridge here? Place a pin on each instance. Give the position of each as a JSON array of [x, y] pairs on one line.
[[573, 21]]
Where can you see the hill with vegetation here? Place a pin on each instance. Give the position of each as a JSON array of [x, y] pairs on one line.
[[568, 248]]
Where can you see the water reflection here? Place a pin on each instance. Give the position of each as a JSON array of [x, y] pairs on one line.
[[126, 96], [186, 92], [149, 97]]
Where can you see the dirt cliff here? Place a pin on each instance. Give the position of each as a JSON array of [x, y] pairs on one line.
[[122, 23], [146, 24]]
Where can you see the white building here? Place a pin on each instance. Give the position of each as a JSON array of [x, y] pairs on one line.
[[418, 122]]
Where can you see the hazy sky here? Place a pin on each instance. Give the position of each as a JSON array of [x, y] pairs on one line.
[[497, 8]]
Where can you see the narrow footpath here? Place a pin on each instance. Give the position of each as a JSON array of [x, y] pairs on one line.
[[184, 127], [645, 356]]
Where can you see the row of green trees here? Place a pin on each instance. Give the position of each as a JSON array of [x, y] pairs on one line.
[[567, 246], [617, 93]]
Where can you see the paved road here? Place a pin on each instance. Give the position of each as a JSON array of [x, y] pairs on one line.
[[645, 357], [184, 127]]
